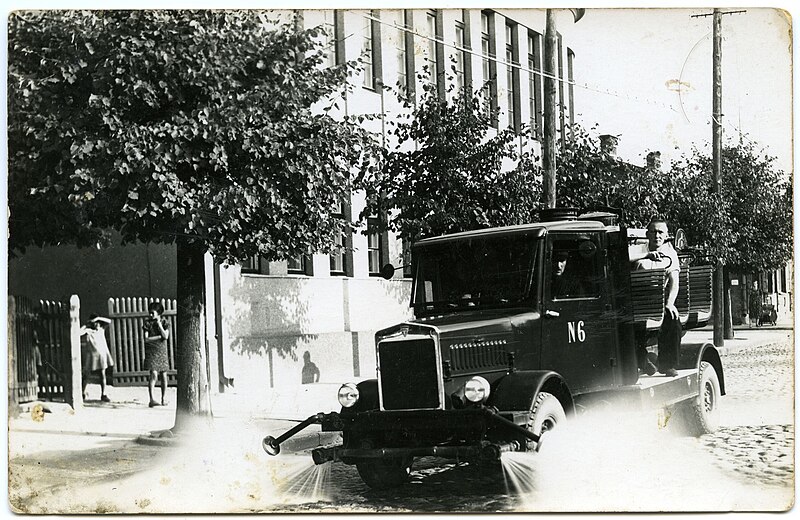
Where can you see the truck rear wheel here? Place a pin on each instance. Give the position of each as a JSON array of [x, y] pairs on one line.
[[701, 414], [546, 413], [385, 473]]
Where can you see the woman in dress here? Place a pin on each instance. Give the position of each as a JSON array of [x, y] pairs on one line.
[[155, 350], [96, 357]]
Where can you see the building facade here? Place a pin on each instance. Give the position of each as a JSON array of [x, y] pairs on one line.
[[276, 316], [271, 324]]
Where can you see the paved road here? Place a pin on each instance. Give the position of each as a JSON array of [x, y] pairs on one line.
[[747, 465], [599, 462]]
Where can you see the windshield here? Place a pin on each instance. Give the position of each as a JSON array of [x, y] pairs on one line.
[[475, 272]]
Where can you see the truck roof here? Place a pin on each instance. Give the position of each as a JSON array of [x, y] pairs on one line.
[[538, 229]]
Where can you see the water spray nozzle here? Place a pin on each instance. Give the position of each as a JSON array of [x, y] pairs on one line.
[[270, 445]]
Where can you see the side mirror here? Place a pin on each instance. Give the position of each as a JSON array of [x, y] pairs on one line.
[[387, 271]]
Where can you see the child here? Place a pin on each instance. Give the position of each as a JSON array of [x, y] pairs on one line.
[[97, 356], [155, 350]]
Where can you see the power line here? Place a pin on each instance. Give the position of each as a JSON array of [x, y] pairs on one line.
[[518, 66]]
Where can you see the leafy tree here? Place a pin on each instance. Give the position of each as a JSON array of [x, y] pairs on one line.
[[748, 224], [207, 129], [448, 173], [586, 175]]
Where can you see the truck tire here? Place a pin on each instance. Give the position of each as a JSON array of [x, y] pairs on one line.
[[384, 473], [546, 413], [701, 414]]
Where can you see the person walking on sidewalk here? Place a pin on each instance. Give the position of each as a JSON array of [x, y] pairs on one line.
[[155, 350], [96, 356]]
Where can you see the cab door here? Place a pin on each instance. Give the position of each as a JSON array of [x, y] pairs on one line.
[[578, 327]]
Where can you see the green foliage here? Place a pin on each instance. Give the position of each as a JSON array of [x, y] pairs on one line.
[[748, 224], [587, 176], [448, 173], [212, 127]]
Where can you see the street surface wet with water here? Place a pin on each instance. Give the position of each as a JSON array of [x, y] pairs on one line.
[[620, 463]]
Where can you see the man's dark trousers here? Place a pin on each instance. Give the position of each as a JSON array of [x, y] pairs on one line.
[[669, 343]]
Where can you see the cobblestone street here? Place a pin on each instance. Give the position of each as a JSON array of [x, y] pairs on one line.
[[751, 454], [756, 440]]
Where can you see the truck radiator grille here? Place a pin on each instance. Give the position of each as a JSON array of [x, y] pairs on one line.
[[408, 375], [472, 356]]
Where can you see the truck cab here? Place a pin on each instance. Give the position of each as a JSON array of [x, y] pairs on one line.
[[514, 330]]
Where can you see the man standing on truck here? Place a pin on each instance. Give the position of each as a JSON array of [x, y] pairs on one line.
[[661, 255]]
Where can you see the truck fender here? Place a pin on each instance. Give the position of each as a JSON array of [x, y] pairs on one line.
[[517, 390], [367, 400], [693, 354]]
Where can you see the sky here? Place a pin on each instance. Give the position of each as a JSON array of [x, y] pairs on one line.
[[646, 75], [641, 74]]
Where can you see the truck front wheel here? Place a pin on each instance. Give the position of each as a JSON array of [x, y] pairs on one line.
[[385, 473], [701, 414], [546, 413]]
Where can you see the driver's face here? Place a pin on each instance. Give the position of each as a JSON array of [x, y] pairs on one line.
[[559, 266], [656, 234]]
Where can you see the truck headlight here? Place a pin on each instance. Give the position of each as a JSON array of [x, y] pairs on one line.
[[348, 395], [477, 389]]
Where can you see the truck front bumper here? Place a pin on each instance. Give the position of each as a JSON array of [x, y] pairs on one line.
[[461, 434]]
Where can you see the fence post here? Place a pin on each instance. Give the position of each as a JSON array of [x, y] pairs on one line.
[[12, 352], [73, 387]]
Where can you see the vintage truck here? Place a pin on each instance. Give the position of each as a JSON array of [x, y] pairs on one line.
[[497, 355]]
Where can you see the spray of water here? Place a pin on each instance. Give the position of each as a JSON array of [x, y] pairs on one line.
[[620, 461], [219, 470], [307, 482]]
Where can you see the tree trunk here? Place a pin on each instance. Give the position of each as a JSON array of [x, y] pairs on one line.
[[728, 324], [193, 399]]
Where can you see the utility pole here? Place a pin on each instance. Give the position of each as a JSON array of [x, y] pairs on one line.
[[716, 144], [549, 137], [549, 144], [719, 289]]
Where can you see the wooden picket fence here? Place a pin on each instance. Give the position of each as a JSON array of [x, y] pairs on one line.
[[126, 333], [40, 363]]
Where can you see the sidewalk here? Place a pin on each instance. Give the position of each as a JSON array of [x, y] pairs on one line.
[[102, 459], [744, 336]]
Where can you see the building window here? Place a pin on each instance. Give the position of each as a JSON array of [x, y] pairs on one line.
[[512, 76], [367, 54], [300, 264], [338, 258], [377, 246], [460, 57], [408, 54], [434, 57], [401, 54], [255, 265], [535, 83], [489, 63], [571, 90], [338, 37], [561, 94], [408, 272], [329, 60], [371, 50], [341, 260]]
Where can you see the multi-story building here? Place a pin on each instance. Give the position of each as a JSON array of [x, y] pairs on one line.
[[265, 319]]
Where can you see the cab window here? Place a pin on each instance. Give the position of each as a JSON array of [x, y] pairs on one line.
[[575, 268]]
